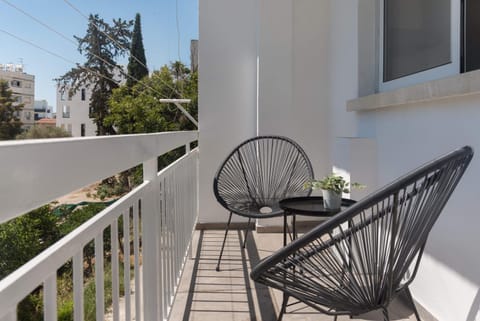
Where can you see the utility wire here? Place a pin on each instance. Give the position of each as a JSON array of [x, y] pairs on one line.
[[60, 34], [56, 55], [176, 103], [119, 45], [85, 68]]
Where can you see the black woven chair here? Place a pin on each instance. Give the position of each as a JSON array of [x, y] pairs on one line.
[[359, 260], [258, 174]]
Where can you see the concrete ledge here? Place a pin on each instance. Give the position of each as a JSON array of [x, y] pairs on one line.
[[457, 85]]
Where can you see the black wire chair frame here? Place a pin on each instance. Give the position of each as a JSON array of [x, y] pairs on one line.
[[359, 260], [257, 175]]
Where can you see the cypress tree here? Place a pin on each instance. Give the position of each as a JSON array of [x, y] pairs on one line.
[[137, 62]]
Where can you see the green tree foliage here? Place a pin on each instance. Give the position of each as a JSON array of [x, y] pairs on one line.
[[10, 125], [22, 238], [100, 48], [139, 111], [137, 62], [36, 132]]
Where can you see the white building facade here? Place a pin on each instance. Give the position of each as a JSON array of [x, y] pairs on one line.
[[320, 73], [23, 88], [73, 113]]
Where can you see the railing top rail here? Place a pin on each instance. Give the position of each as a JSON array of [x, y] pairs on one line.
[[35, 172]]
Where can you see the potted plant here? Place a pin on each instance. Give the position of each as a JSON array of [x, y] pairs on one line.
[[332, 187]]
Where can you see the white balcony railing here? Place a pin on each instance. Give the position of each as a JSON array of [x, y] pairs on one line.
[[158, 218]]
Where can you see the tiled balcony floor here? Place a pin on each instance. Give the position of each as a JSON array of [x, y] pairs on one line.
[[205, 294]]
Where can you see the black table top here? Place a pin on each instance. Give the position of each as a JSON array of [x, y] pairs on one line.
[[311, 206]]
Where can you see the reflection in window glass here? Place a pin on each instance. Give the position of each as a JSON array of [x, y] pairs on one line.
[[416, 36]]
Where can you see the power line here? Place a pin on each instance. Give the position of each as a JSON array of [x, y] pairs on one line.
[[55, 55], [98, 57], [175, 102], [39, 21], [119, 45]]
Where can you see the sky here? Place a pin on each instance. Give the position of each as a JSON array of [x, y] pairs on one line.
[[159, 30]]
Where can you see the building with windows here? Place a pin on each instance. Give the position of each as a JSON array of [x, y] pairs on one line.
[[42, 110], [369, 88], [73, 113], [23, 88]]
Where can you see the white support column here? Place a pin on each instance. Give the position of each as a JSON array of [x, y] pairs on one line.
[[50, 297], [151, 292], [99, 277], [78, 286]]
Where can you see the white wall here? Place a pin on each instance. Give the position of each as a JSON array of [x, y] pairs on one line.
[[448, 279], [313, 57], [405, 137], [79, 113], [294, 69], [227, 89]]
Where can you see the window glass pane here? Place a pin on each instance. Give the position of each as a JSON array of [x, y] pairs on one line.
[[471, 34], [416, 36]]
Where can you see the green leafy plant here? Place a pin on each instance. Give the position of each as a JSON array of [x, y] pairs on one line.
[[335, 183]]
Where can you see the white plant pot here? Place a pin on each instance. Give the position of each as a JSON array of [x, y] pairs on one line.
[[332, 200]]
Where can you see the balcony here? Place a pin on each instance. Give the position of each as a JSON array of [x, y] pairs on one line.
[[172, 269], [158, 216]]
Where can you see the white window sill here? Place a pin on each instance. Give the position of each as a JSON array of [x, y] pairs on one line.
[[453, 86]]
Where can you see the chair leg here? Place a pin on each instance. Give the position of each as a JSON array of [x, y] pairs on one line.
[[410, 298], [246, 233], [224, 239], [385, 314], [334, 318], [284, 306]]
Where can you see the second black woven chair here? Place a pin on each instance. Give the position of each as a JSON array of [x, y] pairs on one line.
[[359, 260], [257, 175]]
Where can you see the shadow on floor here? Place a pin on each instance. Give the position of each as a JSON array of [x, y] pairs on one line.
[[212, 295], [230, 294]]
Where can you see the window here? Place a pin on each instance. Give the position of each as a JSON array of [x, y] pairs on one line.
[[62, 95], [18, 99], [82, 130], [66, 111], [84, 94], [420, 41], [28, 115], [69, 128], [470, 54], [16, 83]]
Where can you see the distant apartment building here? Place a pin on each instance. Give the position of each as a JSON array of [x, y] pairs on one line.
[[73, 112], [42, 110], [23, 88]]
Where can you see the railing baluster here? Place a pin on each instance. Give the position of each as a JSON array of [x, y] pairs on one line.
[[126, 263], [171, 230], [50, 297], [78, 286], [150, 244], [136, 266], [115, 271], [99, 277], [164, 246]]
